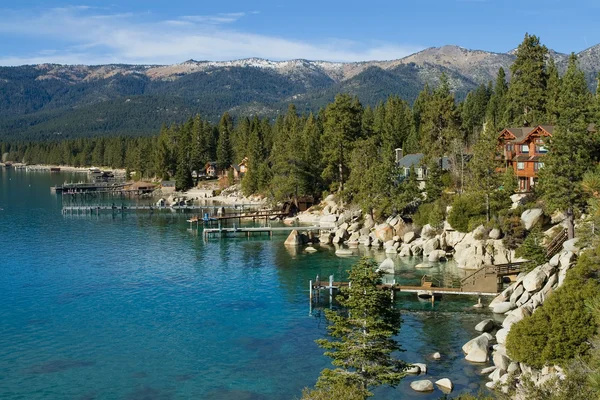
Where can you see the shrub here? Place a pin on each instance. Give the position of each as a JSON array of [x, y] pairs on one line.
[[532, 250], [465, 208], [560, 329], [433, 214]]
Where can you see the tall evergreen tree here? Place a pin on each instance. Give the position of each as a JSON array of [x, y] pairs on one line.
[[526, 96], [571, 148], [341, 127], [363, 342], [224, 150], [553, 93]]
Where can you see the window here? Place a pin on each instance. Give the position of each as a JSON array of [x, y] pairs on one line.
[[510, 147], [541, 149], [524, 148], [538, 165], [520, 165]]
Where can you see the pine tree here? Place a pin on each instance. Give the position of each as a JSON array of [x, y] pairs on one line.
[[553, 93], [341, 127], [526, 96], [496, 109], [440, 123], [224, 150], [363, 343], [570, 149]]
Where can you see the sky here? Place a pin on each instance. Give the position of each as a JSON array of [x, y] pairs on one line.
[[169, 32]]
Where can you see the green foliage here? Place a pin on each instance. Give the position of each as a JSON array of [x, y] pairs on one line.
[[433, 214], [552, 335], [335, 391], [513, 229], [526, 95], [362, 334], [466, 208], [532, 249]]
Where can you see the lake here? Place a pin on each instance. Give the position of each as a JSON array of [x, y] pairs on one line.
[[136, 306]]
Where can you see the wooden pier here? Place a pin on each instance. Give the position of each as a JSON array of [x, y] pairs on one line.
[[239, 231], [486, 281], [97, 208]]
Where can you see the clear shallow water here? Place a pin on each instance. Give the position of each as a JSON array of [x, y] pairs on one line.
[[138, 307]]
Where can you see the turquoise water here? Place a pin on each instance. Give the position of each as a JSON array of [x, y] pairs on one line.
[[138, 307]]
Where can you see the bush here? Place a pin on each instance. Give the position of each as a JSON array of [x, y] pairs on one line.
[[560, 329], [433, 214], [465, 208], [532, 250]]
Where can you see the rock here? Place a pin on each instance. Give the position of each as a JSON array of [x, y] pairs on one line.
[[384, 232], [534, 280], [436, 356], [532, 217], [495, 234], [344, 252], [490, 385], [430, 245], [422, 367], [354, 237], [389, 243], [387, 266], [365, 240], [513, 368], [487, 370], [517, 199], [557, 217], [495, 376], [422, 386], [445, 383], [501, 308], [523, 299], [376, 243], [501, 298], [554, 261], [413, 370], [565, 259], [437, 255], [423, 266], [479, 232], [501, 361], [310, 249], [355, 227], [518, 291], [562, 274], [477, 349], [453, 238], [428, 232], [409, 237], [501, 335], [294, 239], [485, 326], [548, 269], [328, 219], [405, 251], [571, 245], [549, 284]]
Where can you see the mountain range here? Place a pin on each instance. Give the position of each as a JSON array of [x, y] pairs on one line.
[[56, 101]]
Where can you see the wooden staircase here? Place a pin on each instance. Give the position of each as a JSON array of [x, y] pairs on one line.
[[555, 245]]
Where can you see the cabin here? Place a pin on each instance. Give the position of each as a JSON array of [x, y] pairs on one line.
[[211, 169], [167, 186], [523, 149], [239, 170], [416, 161], [103, 176]]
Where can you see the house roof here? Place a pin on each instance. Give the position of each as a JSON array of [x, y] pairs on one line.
[[410, 160], [520, 133], [211, 164], [140, 184]]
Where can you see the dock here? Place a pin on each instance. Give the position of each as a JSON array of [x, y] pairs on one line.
[[486, 281], [239, 231], [97, 208]]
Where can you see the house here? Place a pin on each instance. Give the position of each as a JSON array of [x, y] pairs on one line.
[[239, 170], [142, 187], [416, 161], [211, 169], [523, 150]]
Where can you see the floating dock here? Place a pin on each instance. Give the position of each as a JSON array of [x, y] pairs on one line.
[[235, 231]]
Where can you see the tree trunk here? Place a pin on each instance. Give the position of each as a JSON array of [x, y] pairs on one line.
[[570, 223], [487, 207], [341, 169]]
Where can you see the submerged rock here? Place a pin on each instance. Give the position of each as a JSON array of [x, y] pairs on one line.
[[445, 385], [387, 266]]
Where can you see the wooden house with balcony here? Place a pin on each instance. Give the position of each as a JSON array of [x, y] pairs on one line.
[[523, 149]]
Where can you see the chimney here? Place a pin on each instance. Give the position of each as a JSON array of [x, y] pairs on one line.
[[399, 155]]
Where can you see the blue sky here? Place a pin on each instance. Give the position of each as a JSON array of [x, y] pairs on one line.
[[160, 32]]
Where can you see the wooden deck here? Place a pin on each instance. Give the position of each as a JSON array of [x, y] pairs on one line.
[[235, 231]]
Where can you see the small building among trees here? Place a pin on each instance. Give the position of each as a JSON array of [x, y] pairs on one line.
[[417, 163]]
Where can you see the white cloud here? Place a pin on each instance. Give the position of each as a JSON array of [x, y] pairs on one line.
[[87, 36]]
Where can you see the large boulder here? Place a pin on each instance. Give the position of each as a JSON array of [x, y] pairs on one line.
[[476, 350], [495, 234], [445, 385], [485, 325], [571, 245], [501, 361], [534, 280], [405, 251], [428, 232], [369, 223], [516, 294], [531, 218], [430, 245], [501, 335], [437, 255], [387, 266], [504, 307], [294, 239], [422, 386], [409, 237], [565, 259], [422, 367], [384, 232], [328, 220], [454, 237]]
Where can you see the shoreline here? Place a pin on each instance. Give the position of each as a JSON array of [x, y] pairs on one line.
[[63, 168]]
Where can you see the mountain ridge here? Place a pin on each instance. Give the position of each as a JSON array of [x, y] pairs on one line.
[[39, 101]]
